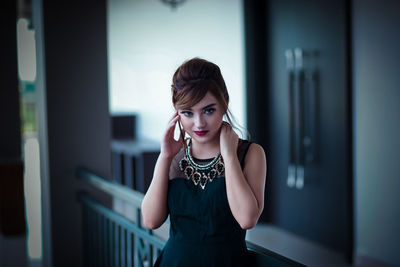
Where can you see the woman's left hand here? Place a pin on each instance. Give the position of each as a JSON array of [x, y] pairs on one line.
[[228, 141]]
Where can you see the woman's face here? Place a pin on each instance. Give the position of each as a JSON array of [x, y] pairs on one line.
[[203, 120]]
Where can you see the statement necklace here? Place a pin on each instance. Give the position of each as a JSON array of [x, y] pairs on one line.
[[201, 174]]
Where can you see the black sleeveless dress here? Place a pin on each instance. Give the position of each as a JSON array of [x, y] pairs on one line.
[[203, 231]]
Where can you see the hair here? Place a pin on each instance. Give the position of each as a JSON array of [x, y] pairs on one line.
[[193, 80]]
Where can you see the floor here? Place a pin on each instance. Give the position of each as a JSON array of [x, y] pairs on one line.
[[13, 251]]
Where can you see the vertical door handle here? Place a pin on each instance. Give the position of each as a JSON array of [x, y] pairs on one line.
[[291, 178], [299, 110], [303, 87]]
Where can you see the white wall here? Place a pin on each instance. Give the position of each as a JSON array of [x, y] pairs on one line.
[[147, 41]]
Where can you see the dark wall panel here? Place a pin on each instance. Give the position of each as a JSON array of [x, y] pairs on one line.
[[10, 133], [75, 41], [376, 58], [256, 47]]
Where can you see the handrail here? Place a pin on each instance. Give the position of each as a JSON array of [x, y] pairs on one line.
[[127, 224], [112, 188], [110, 238]]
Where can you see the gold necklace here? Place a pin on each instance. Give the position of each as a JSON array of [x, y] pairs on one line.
[[201, 174]]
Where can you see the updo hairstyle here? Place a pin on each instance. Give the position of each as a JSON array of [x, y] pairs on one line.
[[193, 79]]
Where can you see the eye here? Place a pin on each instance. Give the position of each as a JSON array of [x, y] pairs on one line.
[[209, 111], [186, 113]]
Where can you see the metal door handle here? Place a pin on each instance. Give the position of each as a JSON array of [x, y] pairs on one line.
[[299, 103], [291, 178], [303, 87]]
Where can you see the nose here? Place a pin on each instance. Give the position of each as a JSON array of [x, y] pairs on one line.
[[199, 121]]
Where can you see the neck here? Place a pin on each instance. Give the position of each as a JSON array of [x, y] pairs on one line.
[[205, 150]]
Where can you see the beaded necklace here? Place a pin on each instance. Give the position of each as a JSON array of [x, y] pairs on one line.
[[201, 174]]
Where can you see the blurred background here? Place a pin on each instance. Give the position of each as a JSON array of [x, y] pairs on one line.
[[86, 96]]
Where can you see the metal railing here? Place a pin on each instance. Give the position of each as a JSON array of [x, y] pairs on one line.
[[111, 239]]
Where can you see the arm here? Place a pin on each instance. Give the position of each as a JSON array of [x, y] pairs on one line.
[[154, 204], [245, 189]]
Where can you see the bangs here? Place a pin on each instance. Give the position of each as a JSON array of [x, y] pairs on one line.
[[193, 93]]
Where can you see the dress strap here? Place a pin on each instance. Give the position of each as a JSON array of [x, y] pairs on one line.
[[242, 149]]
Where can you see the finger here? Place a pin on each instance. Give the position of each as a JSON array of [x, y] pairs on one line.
[[175, 119], [226, 123], [173, 116], [223, 131], [170, 129], [225, 127], [172, 122]]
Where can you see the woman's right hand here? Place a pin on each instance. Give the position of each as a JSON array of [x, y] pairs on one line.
[[170, 147], [154, 204]]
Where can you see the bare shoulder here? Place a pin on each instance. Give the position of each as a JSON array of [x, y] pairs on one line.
[[255, 152], [255, 161]]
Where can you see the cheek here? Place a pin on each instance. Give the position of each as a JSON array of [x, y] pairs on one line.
[[185, 123], [217, 121], [219, 117]]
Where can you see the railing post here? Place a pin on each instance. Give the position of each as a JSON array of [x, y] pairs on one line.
[[100, 243], [123, 247], [111, 246], [145, 249], [116, 245], [85, 235], [106, 241], [129, 249]]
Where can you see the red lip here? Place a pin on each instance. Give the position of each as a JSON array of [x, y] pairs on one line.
[[201, 133]]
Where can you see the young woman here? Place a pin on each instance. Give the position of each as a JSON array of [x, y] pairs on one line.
[[210, 184]]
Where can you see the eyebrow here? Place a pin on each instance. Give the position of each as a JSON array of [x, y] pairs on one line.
[[206, 107], [209, 106]]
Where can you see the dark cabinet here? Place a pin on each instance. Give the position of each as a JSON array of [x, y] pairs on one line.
[[133, 162]]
